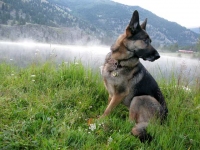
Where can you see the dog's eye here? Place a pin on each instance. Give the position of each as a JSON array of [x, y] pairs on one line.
[[147, 41]]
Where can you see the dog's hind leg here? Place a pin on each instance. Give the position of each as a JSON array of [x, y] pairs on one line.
[[142, 110]]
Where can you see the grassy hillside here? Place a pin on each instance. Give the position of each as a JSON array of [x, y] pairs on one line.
[[56, 107]]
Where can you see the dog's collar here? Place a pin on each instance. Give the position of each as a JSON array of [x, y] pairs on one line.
[[115, 63]]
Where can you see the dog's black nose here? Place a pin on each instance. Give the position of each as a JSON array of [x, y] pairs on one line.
[[156, 56]]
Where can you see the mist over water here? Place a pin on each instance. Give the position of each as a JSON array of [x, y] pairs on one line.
[[26, 53]]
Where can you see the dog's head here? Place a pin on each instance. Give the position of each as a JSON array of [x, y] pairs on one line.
[[135, 41]]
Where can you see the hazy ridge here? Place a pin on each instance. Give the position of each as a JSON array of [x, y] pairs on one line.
[[88, 20]]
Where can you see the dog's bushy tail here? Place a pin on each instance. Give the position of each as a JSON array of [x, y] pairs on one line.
[[139, 130]]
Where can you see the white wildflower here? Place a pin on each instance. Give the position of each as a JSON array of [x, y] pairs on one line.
[[33, 80], [101, 124], [48, 118], [33, 75], [110, 139], [92, 127], [185, 88], [12, 74], [76, 63]]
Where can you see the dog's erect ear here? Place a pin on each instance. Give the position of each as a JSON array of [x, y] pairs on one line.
[[128, 32], [134, 23], [143, 25]]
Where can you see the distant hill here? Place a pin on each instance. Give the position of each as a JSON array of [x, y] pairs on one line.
[[99, 20], [196, 30], [43, 21]]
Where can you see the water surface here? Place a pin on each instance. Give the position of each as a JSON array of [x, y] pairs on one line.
[[26, 53]]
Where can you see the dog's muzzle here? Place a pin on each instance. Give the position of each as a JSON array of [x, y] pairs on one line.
[[151, 57], [156, 56]]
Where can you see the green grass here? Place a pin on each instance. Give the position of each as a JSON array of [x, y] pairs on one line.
[[50, 107]]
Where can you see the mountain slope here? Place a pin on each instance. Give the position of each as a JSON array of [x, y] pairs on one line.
[[19, 15], [103, 20], [196, 30], [114, 17]]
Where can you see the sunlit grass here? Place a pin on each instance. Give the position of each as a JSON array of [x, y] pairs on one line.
[[48, 106]]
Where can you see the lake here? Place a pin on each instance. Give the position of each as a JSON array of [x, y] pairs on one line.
[[25, 53]]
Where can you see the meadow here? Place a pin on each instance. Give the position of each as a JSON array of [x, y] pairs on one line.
[[51, 106]]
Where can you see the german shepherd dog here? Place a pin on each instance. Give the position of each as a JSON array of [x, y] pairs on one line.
[[127, 80]]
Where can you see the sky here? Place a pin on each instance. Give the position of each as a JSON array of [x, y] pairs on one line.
[[184, 12]]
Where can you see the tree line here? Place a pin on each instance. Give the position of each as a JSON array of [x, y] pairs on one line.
[[19, 12]]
